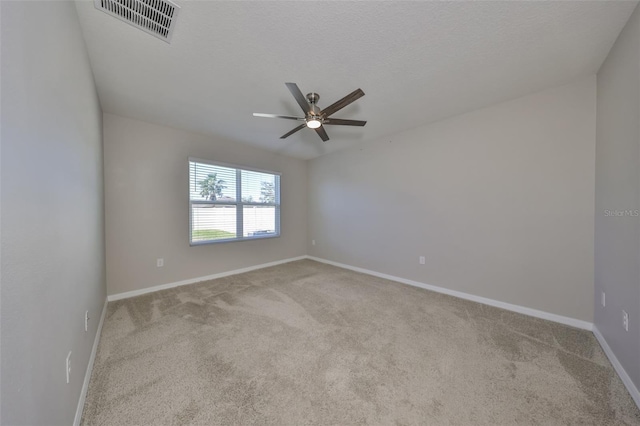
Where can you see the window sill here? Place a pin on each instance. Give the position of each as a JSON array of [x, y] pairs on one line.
[[232, 240]]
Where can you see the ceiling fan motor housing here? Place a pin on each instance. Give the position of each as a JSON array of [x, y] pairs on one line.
[[314, 111]]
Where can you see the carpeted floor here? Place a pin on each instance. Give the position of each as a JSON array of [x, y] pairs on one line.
[[307, 343]]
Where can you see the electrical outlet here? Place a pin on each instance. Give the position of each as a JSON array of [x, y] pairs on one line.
[[625, 320], [159, 262], [602, 299], [68, 364], [313, 242], [422, 260], [86, 321]]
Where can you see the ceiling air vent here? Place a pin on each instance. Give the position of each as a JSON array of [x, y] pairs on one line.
[[157, 17]]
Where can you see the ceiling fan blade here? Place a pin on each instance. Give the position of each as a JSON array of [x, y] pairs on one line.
[[300, 127], [341, 122], [322, 133], [337, 106], [288, 117], [297, 94]]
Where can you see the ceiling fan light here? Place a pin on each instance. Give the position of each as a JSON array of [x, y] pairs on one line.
[[313, 123]]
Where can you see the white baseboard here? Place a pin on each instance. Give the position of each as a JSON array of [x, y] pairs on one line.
[[491, 302], [631, 387], [135, 293], [87, 375]]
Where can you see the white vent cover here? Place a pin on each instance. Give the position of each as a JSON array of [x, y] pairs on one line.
[[157, 17]]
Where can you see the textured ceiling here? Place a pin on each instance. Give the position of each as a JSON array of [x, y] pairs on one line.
[[417, 62]]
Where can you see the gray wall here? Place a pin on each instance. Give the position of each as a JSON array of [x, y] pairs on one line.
[[52, 212], [617, 259], [147, 206], [499, 201]]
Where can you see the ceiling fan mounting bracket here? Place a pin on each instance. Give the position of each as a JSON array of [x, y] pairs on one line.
[[313, 98]]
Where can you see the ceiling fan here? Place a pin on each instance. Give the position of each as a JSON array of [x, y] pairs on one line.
[[314, 117]]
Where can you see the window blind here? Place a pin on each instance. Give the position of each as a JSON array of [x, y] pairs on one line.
[[228, 203]]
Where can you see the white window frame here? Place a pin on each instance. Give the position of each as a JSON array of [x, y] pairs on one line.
[[238, 203]]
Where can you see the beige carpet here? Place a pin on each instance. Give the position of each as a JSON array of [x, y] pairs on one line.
[[306, 343]]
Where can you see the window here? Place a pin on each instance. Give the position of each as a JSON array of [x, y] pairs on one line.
[[227, 203]]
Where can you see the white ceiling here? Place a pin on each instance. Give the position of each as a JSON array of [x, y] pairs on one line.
[[417, 62]]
